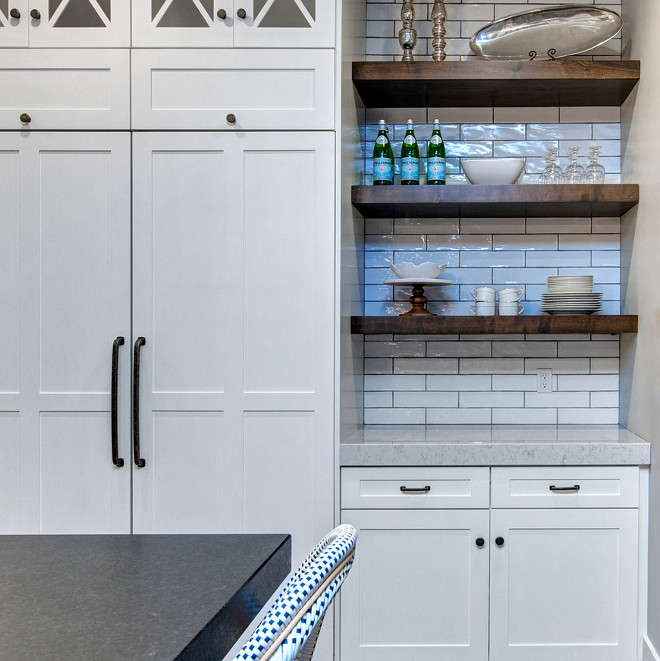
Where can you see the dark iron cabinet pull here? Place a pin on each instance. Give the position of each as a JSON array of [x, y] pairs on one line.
[[116, 459], [575, 487], [139, 462], [425, 489]]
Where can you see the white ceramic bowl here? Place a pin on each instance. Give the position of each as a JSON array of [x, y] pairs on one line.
[[493, 170], [410, 270]]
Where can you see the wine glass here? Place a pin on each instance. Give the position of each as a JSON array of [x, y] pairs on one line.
[[552, 173], [574, 173], [595, 172]]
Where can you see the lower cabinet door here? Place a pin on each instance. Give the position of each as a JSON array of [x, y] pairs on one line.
[[419, 587], [564, 585]]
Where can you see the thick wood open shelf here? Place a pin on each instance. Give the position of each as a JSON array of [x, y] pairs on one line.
[[480, 83], [529, 324], [514, 201]]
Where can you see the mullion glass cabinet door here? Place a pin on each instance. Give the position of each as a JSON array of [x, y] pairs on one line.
[[78, 23], [14, 20], [183, 23]]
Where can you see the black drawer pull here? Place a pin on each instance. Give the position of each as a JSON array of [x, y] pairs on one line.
[[116, 459], [425, 489], [575, 487]]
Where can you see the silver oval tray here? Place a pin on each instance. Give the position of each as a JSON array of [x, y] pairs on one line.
[[546, 34]]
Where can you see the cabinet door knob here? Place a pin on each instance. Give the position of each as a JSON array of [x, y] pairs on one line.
[[14, 13], [241, 13], [222, 14], [25, 118], [480, 542], [231, 118], [499, 541], [36, 14]]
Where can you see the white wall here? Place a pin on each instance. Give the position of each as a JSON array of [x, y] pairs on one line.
[[640, 357]]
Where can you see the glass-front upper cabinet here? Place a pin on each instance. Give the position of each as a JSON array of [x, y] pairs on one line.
[[234, 23], [64, 23]]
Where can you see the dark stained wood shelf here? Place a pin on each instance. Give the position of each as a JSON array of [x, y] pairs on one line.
[[524, 324], [480, 83], [513, 201]]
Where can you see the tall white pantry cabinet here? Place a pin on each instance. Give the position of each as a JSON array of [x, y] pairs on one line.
[[167, 212]]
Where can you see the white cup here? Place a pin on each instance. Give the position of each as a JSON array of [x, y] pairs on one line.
[[483, 294], [510, 309], [483, 308], [509, 295]]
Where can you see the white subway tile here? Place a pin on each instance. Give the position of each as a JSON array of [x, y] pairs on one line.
[[377, 399], [458, 416], [464, 149], [558, 225], [606, 225], [604, 365], [394, 382], [523, 148], [526, 115], [395, 349], [377, 293], [493, 131], [473, 12], [590, 114], [459, 349], [518, 382], [426, 226], [559, 132], [589, 382], [379, 259], [502, 10], [459, 115], [469, 276], [491, 399], [604, 399], [384, 309], [427, 399], [457, 382], [514, 276], [606, 258], [558, 365], [394, 242], [491, 366], [589, 349], [609, 147], [558, 258], [524, 416], [556, 399], [492, 258], [379, 226], [525, 350], [381, 29], [611, 307], [589, 242], [459, 242], [525, 242], [425, 366], [378, 365], [379, 337], [393, 416], [601, 275], [488, 225], [382, 12], [588, 416], [607, 131]]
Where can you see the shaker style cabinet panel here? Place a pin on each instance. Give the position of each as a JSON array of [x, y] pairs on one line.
[[236, 380], [64, 89], [65, 23], [234, 23], [564, 585], [65, 248], [233, 90], [418, 588]]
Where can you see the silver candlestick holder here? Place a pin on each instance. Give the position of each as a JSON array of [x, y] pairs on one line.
[[439, 16], [407, 34]]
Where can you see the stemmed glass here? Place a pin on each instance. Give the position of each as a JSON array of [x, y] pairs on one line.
[[552, 173], [595, 173], [574, 173]]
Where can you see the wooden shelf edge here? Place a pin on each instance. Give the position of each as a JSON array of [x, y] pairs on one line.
[[525, 324]]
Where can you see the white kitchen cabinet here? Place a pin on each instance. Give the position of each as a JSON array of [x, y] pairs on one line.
[[233, 89], [234, 23], [65, 23], [65, 270], [233, 292], [560, 571]]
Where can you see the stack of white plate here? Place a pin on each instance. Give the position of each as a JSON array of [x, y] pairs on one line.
[[571, 294]]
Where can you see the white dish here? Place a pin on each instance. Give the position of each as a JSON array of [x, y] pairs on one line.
[[417, 281], [570, 311], [493, 171], [425, 270]]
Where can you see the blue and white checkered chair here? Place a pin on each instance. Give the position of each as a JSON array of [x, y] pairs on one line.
[[291, 627]]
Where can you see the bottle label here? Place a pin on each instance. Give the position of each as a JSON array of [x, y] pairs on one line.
[[381, 140], [409, 139], [435, 169], [383, 170], [436, 140], [409, 169]]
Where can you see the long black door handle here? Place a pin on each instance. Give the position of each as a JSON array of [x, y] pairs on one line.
[[116, 459], [140, 342]]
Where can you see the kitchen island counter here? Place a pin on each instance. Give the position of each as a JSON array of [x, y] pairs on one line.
[[494, 445], [133, 597]]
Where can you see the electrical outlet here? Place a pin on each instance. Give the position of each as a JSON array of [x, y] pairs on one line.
[[544, 380]]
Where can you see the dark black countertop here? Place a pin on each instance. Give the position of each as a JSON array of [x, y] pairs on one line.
[[133, 597]]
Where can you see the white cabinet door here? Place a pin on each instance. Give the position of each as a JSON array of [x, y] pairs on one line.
[[237, 380], [78, 23], [14, 22], [64, 220], [564, 585], [418, 589]]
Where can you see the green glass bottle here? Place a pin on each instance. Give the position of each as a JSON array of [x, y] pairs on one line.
[[383, 158], [435, 160], [409, 157]]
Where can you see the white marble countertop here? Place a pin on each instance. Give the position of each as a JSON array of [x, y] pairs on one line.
[[494, 445]]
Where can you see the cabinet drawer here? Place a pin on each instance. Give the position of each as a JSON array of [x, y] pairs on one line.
[[263, 89], [65, 89], [414, 488], [565, 487]]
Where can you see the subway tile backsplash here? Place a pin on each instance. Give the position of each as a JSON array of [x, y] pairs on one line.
[[489, 379]]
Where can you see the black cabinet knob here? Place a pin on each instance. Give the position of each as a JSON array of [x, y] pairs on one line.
[[25, 118], [499, 541], [231, 118], [14, 13], [480, 542], [241, 13], [222, 14], [36, 14]]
